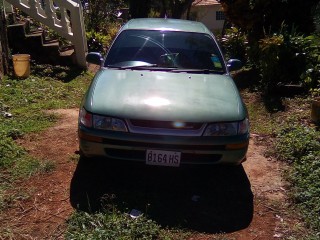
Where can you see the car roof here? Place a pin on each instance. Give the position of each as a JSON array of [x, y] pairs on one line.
[[166, 24]]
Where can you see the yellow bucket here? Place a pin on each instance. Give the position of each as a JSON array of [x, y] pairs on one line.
[[21, 65]]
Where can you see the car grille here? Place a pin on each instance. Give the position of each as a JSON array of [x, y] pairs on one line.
[[163, 146], [141, 155], [166, 124]]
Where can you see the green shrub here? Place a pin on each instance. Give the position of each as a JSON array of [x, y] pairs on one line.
[[305, 179], [9, 151], [280, 61], [100, 13], [310, 48], [29, 166], [100, 41], [300, 146], [96, 41], [296, 141], [281, 58], [234, 44], [270, 49], [110, 225], [112, 32], [289, 59]]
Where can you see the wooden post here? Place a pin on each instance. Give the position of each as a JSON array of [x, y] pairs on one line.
[[4, 49]]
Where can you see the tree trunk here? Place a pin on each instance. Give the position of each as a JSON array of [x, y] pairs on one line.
[[4, 49], [139, 8], [179, 8], [163, 13]]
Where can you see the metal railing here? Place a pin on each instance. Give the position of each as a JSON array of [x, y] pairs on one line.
[[63, 16]]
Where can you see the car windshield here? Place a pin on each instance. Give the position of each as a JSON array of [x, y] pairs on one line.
[[171, 50]]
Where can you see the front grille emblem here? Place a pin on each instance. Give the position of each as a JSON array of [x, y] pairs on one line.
[[179, 125]]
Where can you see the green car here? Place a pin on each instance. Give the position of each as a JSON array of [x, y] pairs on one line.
[[164, 96]]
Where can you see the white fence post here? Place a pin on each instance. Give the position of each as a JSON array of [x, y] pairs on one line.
[[8, 8]]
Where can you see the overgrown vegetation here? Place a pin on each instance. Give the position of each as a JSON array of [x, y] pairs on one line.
[[291, 60], [102, 24], [281, 59], [100, 41], [288, 59], [299, 145], [295, 141], [284, 57], [111, 225], [234, 44], [23, 105], [100, 13]]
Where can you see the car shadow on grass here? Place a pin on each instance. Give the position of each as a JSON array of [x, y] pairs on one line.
[[210, 199]]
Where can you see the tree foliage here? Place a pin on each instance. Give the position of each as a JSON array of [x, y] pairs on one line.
[[169, 8], [276, 30], [178, 7], [101, 12], [139, 8], [260, 17]]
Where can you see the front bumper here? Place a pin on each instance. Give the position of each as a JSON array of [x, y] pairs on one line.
[[194, 150]]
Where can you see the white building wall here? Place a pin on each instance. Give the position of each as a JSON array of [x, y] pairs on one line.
[[207, 15]]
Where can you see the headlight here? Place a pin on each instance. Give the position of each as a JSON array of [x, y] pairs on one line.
[[109, 123], [221, 129], [85, 118], [244, 127], [227, 129], [101, 122]]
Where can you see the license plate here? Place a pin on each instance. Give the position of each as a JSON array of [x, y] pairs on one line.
[[163, 158]]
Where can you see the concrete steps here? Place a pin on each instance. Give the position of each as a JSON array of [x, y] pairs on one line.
[[43, 50]]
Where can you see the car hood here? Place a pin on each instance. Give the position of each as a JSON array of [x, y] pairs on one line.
[[164, 96]]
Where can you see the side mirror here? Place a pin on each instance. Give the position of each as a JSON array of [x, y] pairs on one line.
[[234, 64], [94, 58]]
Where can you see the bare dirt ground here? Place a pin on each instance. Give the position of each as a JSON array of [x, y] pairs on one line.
[[248, 202]]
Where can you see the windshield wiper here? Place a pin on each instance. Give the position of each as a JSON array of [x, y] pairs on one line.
[[154, 67], [204, 71], [131, 67], [146, 66]]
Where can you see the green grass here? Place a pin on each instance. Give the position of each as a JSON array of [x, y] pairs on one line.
[[113, 224], [26, 100], [9, 151], [299, 145], [260, 118], [293, 139], [23, 105], [27, 167], [110, 225]]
